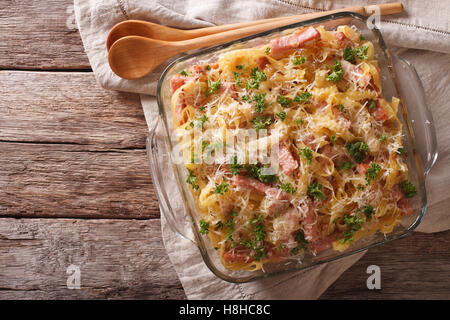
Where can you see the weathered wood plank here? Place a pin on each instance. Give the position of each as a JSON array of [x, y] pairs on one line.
[[415, 267], [40, 35], [127, 259], [117, 259], [68, 107], [59, 180]]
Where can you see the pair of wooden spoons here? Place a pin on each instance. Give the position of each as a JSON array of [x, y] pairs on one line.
[[136, 48]]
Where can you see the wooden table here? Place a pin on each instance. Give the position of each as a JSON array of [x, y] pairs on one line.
[[76, 189]]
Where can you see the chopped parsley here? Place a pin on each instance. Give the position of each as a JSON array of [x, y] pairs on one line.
[[201, 121], [184, 73], [372, 105], [367, 210], [191, 179], [229, 225], [267, 50], [361, 52], [361, 37], [349, 55], [299, 60], [337, 72], [315, 191], [260, 100], [302, 243], [303, 97], [221, 188], [208, 67], [288, 188], [204, 227], [240, 67], [257, 243], [333, 139], [345, 165], [237, 78], [256, 77], [306, 153], [281, 115], [235, 167], [358, 150], [382, 138], [373, 172], [401, 151], [283, 101], [261, 123], [213, 86], [255, 171], [245, 97], [354, 223], [341, 108], [299, 121], [408, 188]]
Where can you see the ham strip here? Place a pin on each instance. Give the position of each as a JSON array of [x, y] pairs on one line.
[[279, 46], [177, 81], [287, 161], [354, 74], [262, 62]]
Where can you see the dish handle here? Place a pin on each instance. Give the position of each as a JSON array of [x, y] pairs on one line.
[[159, 158], [413, 94]]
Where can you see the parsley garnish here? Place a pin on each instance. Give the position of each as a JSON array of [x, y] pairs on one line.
[[267, 50], [191, 179], [367, 210], [256, 77], [204, 227], [372, 105], [306, 153], [354, 223], [283, 101], [296, 61], [337, 72], [240, 67], [333, 139], [281, 115], [361, 52], [235, 167], [382, 138], [401, 151], [221, 188], [255, 171], [183, 73], [237, 78], [288, 188], [361, 37], [261, 123], [245, 97], [299, 121], [201, 121], [345, 165], [208, 67], [349, 55], [315, 191], [408, 188], [302, 243], [373, 172], [358, 150], [213, 86], [260, 100], [303, 97]]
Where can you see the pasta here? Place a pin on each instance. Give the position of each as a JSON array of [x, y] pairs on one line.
[[314, 99]]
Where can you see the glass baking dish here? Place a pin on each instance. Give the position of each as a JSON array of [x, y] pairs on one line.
[[399, 79]]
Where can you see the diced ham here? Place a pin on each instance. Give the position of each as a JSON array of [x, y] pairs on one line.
[[287, 223], [310, 142], [355, 74], [323, 244], [328, 151], [405, 205], [201, 68], [237, 254], [342, 39], [287, 161], [247, 182], [230, 88], [379, 113], [262, 62], [281, 45], [177, 81], [362, 168]]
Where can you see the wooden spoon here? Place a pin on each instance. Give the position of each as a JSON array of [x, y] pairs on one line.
[[160, 32], [134, 57]]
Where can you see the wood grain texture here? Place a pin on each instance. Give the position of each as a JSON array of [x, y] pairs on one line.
[[117, 259], [415, 267], [40, 35], [60, 180], [126, 259], [68, 107]]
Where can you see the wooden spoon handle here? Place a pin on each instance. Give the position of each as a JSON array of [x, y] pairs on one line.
[[225, 36], [385, 9]]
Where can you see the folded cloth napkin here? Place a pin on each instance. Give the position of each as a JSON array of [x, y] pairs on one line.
[[423, 25]]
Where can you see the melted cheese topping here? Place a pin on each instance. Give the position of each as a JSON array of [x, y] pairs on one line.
[[307, 111]]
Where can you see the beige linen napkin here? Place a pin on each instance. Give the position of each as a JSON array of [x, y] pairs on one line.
[[423, 25]]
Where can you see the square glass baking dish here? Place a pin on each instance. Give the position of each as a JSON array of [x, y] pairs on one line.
[[399, 79]]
